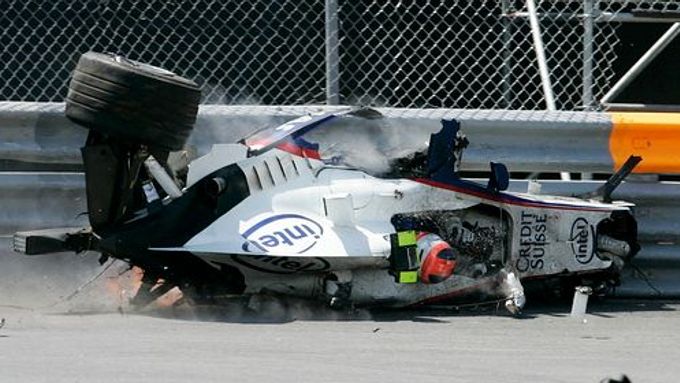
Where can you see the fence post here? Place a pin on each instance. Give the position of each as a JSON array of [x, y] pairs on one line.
[[540, 56], [588, 9], [332, 56], [506, 37]]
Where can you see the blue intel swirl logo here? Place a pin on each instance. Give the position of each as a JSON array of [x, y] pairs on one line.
[[284, 234], [582, 240]]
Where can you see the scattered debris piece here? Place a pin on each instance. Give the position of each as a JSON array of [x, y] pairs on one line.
[[621, 379], [515, 299], [580, 303]]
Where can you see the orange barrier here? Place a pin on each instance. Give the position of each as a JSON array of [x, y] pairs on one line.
[[654, 136]]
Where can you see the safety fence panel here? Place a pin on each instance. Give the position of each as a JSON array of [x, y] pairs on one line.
[[419, 54], [255, 52], [468, 54]]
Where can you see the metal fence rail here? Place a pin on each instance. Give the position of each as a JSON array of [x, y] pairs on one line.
[[37, 136], [43, 200]]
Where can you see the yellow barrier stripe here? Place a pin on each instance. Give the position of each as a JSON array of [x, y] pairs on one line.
[[654, 136]]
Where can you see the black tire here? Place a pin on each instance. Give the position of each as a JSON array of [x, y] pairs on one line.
[[132, 101]]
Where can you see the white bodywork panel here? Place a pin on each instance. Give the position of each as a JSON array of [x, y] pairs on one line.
[[295, 215], [219, 156], [304, 220]]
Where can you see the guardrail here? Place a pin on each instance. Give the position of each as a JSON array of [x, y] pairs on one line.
[[43, 200], [37, 135]]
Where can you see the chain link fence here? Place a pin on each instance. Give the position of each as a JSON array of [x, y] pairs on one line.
[[417, 54]]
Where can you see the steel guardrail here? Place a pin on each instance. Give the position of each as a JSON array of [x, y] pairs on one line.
[[37, 137], [526, 141], [34, 201]]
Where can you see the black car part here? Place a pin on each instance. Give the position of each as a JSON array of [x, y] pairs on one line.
[[135, 102], [133, 110]]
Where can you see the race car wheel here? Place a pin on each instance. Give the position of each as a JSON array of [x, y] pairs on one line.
[[132, 101]]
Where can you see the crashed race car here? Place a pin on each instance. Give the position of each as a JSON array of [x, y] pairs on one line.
[[283, 213]]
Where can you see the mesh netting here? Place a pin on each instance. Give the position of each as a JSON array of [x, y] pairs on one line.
[[424, 53]]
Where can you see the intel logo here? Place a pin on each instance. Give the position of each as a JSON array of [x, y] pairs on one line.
[[284, 234], [582, 240], [283, 264]]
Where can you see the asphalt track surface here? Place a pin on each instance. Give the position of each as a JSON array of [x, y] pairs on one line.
[[87, 338]]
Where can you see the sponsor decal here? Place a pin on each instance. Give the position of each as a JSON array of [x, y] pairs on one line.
[[532, 241], [284, 236], [281, 234], [282, 265], [582, 240]]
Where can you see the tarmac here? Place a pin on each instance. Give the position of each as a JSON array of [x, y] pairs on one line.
[[53, 335]]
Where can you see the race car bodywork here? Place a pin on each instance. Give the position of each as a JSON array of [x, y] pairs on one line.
[[300, 210], [274, 215]]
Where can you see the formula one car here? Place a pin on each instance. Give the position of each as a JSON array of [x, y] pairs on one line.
[[281, 212]]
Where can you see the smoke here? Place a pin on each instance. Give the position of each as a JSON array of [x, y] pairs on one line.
[[257, 309], [48, 283], [218, 94], [370, 144], [357, 142], [65, 284]]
